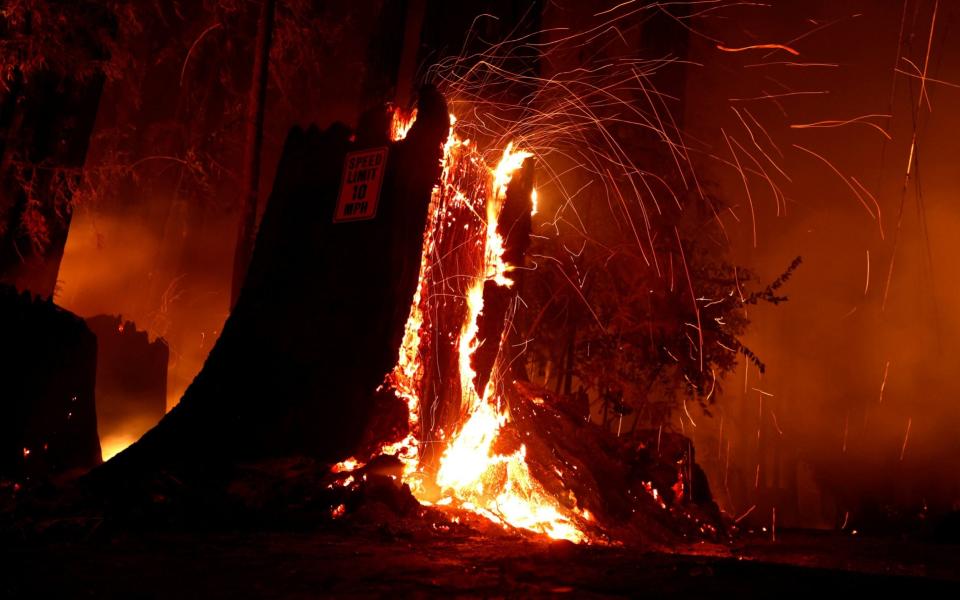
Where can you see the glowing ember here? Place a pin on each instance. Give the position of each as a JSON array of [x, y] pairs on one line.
[[346, 466]]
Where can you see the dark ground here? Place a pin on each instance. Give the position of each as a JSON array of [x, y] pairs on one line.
[[379, 564]]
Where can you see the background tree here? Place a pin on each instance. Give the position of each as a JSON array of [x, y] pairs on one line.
[[54, 57], [253, 146]]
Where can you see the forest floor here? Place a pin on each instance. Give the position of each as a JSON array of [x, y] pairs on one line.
[[372, 563]]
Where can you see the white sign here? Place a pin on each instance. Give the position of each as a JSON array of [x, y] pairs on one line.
[[360, 188]]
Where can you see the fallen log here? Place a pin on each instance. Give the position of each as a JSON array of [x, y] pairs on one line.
[[636, 489]]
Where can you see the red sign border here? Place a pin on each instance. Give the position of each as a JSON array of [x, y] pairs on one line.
[[343, 181]]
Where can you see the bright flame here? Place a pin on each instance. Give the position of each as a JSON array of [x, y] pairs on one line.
[[346, 466], [401, 123], [496, 268], [467, 458], [499, 487], [408, 372], [471, 474]]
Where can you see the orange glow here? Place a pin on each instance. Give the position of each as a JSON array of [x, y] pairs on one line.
[[496, 268], [346, 466], [113, 445], [408, 372]]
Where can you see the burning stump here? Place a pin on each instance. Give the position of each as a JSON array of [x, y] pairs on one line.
[[318, 327], [48, 376], [480, 438]]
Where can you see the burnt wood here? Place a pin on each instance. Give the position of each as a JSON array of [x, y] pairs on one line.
[[321, 314]]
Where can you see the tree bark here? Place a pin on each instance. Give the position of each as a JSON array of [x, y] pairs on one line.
[[46, 150], [408, 55], [568, 367], [254, 143]]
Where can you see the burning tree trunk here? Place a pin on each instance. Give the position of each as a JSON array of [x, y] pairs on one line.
[[300, 357], [456, 258], [499, 307], [481, 437], [451, 319]]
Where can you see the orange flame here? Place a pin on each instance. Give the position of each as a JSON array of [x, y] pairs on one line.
[[471, 474], [401, 123]]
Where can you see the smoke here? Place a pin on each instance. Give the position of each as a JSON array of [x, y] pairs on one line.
[[813, 436], [177, 289]]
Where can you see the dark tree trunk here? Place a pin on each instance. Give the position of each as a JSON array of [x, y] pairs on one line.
[[45, 127], [514, 227], [320, 317], [411, 47], [48, 420], [456, 263], [570, 360], [254, 143]]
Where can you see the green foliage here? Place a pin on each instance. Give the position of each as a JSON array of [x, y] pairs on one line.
[[627, 324]]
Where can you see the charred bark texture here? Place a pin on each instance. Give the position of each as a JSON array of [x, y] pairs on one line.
[[499, 301], [580, 464], [320, 317], [457, 260]]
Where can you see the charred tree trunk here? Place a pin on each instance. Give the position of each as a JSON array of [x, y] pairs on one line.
[[514, 227], [408, 55], [131, 380], [456, 261], [456, 264], [48, 420], [254, 142], [320, 317]]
